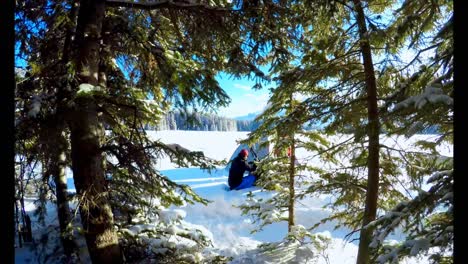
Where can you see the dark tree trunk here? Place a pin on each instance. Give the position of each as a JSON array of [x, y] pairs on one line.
[[292, 172], [18, 225], [87, 134], [292, 193], [60, 178], [373, 134], [59, 148]]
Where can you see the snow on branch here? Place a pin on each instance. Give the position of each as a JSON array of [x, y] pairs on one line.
[[35, 107], [431, 94]]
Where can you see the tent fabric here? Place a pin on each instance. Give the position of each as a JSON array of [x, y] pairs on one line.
[[255, 151]]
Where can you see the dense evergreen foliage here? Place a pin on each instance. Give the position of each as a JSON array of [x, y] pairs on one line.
[[80, 78], [329, 70]]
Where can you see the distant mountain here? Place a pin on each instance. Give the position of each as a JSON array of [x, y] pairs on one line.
[[248, 117]]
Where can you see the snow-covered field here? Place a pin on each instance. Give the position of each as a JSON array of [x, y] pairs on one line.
[[220, 220]]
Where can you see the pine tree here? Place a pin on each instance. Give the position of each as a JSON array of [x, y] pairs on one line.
[[40, 102], [338, 83], [343, 114], [171, 55], [423, 99]]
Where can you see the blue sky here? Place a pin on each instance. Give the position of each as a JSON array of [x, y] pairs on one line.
[[244, 99]]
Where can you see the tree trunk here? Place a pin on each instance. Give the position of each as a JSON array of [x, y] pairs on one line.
[[373, 134], [292, 172], [292, 193], [87, 134], [18, 225], [59, 146], [60, 178]]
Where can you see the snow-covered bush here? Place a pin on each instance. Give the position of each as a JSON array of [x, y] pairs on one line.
[[164, 238]]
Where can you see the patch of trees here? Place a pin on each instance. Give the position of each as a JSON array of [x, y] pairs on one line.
[[201, 122]]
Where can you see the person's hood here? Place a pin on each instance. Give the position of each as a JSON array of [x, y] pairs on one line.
[[242, 157]]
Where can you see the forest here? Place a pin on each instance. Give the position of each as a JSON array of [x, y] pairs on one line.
[[95, 74], [201, 122]]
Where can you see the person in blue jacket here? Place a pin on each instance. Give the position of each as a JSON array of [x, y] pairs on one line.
[[239, 165]]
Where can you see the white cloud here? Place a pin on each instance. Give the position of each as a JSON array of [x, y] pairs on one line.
[[242, 86], [248, 103]]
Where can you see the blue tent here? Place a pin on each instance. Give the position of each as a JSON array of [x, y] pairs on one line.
[[256, 151]]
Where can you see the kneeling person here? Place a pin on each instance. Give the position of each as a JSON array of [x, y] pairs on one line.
[[239, 165]]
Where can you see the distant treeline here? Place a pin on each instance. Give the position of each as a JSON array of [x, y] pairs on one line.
[[201, 122], [212, 122]]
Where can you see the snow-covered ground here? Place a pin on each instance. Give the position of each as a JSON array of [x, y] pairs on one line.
[[222, 221]]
